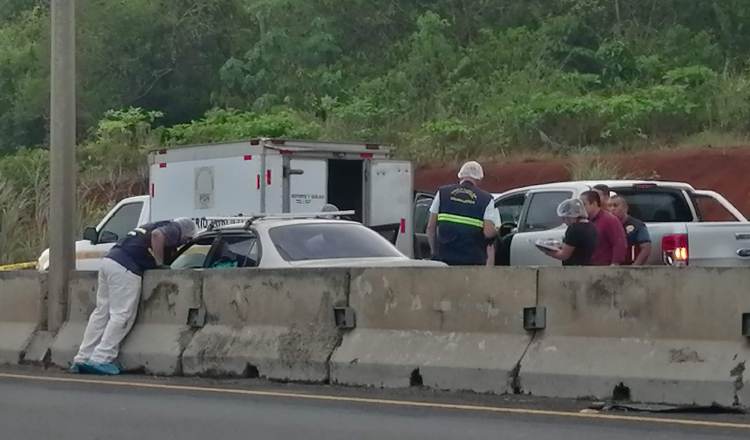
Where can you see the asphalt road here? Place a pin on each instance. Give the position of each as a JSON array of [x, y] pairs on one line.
[[37, 406]]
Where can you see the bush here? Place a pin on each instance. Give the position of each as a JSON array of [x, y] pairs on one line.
[[230, 125]]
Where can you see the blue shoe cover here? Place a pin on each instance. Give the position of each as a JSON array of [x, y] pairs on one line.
[[104, 369], [76, 368]]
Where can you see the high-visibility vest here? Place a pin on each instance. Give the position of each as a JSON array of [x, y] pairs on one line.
[[460, 236]]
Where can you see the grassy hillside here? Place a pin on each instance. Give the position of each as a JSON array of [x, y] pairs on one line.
[[441, 79]]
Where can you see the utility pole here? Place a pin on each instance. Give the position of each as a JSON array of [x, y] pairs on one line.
[[61, 225]]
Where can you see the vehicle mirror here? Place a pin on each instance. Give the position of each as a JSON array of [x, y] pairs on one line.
[[108, 237], [91, 235], [506, 228]]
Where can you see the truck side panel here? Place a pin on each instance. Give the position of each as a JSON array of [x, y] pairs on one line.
[[205, 188]]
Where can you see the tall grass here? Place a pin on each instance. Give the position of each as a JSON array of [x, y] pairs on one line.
[[24, 213], [582, 167]]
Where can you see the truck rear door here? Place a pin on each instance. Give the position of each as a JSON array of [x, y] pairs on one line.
[[388, 187], [719, 244], [308, 185]]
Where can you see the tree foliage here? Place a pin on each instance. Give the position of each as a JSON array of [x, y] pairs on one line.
[[486, 75], [437, 78]]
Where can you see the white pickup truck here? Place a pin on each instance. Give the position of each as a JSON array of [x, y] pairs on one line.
[[122, 218], [687, 226]]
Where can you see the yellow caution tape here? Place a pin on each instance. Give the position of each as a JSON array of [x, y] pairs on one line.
[[18, 266]]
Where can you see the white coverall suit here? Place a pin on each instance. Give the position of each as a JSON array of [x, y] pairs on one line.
[[117, 298], [119, 290]]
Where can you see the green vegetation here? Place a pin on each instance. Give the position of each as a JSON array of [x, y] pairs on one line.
[[441, 79], [585, 167]]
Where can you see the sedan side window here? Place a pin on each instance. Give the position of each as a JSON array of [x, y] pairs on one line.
[[422, 213], [510, 208], [194, 255], [542, 213], [237, 251]]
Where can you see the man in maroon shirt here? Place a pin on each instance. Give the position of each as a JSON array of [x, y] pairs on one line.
[[612, 244]]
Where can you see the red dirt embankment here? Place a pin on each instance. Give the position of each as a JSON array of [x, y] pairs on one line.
[[726, 171]]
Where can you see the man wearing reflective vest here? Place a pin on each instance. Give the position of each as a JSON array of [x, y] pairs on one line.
[[462, 225], [119, 290]]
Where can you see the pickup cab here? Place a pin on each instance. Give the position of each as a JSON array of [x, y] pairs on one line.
[[97, 241], [687, 226]]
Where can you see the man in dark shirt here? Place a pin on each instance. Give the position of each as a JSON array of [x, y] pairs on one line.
[[119, 289], [580, 237], [639, 240], [612, 245]]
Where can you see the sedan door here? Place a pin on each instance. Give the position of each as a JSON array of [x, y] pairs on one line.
[[422, 203]]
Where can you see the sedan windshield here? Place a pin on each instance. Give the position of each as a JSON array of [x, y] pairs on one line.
[[320, 241]]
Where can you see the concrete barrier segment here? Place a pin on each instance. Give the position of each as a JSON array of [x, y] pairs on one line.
[[277, 324], [458, 328], [652, 334], [21, 300], [162, 331], [81, 302]]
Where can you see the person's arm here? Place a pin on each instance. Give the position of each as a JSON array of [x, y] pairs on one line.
[[643, 246], [491, 220], [489, 229], [619, 242], [432, 232], [162, 238], [158, 242], [432, 223], [491, 255], [644, 251], [570, 241], [562, 254]]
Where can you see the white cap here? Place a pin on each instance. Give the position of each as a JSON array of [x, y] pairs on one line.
[[187, 226], [329, 207], [572, 208], [471, 170]]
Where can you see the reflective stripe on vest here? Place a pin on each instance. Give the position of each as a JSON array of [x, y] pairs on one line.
[[461, 220]]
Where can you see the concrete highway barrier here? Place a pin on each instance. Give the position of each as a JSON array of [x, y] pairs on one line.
[[168, 316], [265, 323], [650, 334], [81, 302], [161, 330], [458, 328], [655, 334], [21, 310]]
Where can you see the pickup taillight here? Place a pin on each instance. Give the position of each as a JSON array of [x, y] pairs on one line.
[[675, 249]]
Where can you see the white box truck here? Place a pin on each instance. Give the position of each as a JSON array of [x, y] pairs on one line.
[[263, 176]]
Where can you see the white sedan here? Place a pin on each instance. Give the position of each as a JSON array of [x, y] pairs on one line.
[[280, 243]]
